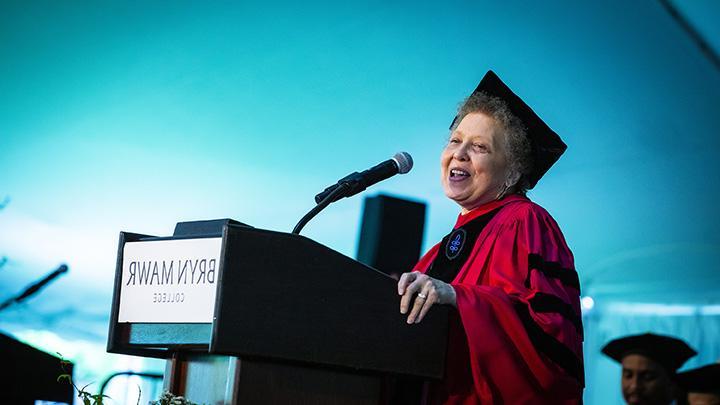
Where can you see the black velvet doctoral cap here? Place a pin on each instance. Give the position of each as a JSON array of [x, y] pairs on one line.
[[545, 143], [547, 147], [703, 379], [668, 351]]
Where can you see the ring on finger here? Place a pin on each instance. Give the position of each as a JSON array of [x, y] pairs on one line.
[[422, 296]]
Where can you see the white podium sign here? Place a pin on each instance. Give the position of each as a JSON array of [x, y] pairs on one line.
[[169, 281]]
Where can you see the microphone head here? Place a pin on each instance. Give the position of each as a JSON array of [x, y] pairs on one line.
[[404, 162]]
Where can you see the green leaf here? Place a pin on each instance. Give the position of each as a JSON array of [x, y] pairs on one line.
[[98, 398]]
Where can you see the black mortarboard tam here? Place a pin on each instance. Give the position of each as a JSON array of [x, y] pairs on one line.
[[545, 143], [703, 379], [669, 352]]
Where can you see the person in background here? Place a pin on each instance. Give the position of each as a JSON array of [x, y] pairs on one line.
[[505, 266], [649, 364], [701, 385]]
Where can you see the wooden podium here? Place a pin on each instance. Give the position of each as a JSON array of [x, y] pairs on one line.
[[294, 322]]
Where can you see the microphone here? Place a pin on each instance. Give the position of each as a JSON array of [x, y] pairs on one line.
[[357, 182], [34, 288], [40, 284]]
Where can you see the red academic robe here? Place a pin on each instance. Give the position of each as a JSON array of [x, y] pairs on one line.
[[519, 335]]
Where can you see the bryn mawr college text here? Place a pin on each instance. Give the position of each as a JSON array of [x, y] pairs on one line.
[[172, 272]]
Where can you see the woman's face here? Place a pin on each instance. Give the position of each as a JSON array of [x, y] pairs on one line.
[[473, 165]]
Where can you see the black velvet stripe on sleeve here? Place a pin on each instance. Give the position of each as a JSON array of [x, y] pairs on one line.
[[545, 303], [546, 344], [568, 277]]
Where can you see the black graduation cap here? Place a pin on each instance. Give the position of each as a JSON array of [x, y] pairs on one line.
[[703, 379], [545, 143], [668, 351]]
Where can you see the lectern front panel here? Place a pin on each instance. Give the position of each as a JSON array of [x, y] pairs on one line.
[[286, 297]]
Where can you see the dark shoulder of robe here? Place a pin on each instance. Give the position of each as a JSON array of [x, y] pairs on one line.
[[519, 335]]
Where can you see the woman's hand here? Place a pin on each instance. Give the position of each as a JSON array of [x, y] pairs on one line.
[[427, 291]]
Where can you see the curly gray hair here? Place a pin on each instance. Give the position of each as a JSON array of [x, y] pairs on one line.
[[517, 143]]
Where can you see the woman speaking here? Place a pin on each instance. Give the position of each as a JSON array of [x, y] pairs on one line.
[[505, 265]]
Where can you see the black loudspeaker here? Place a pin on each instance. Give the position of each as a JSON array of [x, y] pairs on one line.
[[391, 233], [28, 374]]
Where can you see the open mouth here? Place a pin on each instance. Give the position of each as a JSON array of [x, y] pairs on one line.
[[458, 174]]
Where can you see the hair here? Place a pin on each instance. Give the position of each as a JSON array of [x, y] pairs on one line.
[[517, 143]]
